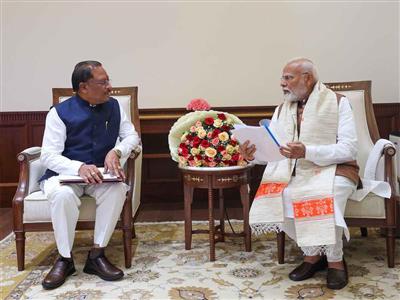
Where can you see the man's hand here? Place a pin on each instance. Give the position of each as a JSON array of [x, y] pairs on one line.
[[90, 174], [293, 150], [113, 165], [247, 151]]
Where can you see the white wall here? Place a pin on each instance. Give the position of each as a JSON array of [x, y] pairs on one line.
[[229, 53]]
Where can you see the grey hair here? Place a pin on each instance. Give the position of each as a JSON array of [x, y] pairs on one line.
[[306, 65]]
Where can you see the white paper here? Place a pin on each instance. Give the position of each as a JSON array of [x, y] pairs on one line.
[[267, 149]]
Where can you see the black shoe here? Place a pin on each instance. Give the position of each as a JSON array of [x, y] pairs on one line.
[[98, 264], [307, 270], [63, 267], [337, 279]]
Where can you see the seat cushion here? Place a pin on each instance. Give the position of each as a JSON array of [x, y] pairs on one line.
[[37, 208], [372, 206]]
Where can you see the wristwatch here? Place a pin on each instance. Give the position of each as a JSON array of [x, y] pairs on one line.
[[118, 152]]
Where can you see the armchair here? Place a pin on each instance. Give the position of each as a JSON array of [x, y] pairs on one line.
[[30, 207], [372, 211]]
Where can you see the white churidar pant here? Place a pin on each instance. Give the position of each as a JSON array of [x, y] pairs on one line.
[[343, 188], [64, 207]]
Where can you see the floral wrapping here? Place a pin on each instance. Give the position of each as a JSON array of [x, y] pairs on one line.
[[204, 139]]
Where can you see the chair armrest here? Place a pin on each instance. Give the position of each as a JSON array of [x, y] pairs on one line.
[[24, 158], [135, 152], [390, 177], [389, 152], [130, 173], [32, 152]]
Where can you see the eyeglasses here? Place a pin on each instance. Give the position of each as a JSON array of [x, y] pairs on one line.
[[101, 82], [290, 77]]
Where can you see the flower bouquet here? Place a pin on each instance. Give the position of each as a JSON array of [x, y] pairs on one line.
[[203, 138]]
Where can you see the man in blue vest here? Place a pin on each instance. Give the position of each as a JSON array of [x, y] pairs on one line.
[[80, 136]]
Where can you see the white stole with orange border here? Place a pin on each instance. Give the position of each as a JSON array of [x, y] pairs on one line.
[[312, 186]]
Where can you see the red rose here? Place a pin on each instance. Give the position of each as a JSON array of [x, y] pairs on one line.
[[216, 132], [189, 137], [184, 151], [191, 157], [205, 143], [233, 143], [209, 121], [198, 156], [222, 117], [196, 141], [225, 128], [220, 148], [236, 157]]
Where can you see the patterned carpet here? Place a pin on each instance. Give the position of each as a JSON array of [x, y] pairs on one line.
[[162, 269]]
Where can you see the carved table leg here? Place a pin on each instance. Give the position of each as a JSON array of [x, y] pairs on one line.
[[211, 223], [188, 194], [244, 196], [221, 214]]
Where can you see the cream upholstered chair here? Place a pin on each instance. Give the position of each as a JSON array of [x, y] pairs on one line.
[[31, 210], [372, 211]]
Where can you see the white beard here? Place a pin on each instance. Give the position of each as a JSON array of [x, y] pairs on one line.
[[294, 97], [290, 97]]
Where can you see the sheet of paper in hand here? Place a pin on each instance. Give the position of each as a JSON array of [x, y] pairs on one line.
[[71, 179], [265, 138]]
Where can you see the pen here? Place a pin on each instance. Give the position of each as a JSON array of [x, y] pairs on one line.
[[106, 124], [270, 133]]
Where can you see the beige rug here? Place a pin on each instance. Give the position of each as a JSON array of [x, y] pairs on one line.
[[162, 269]]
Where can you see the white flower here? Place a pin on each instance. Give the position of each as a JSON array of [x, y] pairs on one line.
[[223, 136], [230, 149], [217, 123], [194, 151], [211, 152], [227, 157], [201, 134]]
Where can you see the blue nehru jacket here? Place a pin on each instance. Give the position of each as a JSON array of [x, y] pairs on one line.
[[92, 131]]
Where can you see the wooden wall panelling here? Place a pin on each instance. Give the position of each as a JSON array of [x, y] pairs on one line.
[[388, 118], [161, 182], [19, 130], [13, 136]]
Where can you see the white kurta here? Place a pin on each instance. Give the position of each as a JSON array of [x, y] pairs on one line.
[[64, 200]]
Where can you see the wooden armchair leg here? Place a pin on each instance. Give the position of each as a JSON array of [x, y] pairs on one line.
[[20, 245], [281, 247], [390, 246], [127, 236], [127, 232]]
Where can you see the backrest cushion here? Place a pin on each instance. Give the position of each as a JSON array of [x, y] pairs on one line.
[[365, 143]]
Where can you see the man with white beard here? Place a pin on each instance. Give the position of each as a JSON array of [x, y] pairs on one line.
[[305, 194]]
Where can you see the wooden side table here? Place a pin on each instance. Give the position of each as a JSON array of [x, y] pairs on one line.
[[211, 179]]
